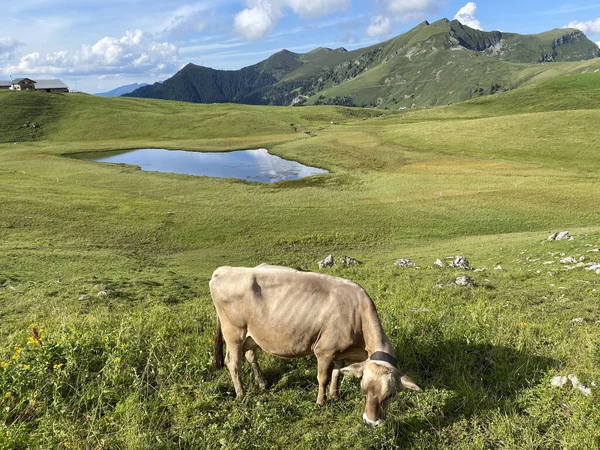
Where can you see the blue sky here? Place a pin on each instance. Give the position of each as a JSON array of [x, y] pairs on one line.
[[97, 45]]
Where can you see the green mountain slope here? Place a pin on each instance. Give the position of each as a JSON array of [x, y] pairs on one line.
[[432, 64]]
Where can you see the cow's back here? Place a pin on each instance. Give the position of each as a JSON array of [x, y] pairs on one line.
[[288, 312]]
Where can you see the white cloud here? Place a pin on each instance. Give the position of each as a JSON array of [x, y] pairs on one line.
[[316, 8], [8, 47], [466, 16], [184, 19], [591, 26], [255, 22], [380, 25], [132, 53], [261, 16]]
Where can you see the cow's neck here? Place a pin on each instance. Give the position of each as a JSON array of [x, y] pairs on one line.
[[375, 338]]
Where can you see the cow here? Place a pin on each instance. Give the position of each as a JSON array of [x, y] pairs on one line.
[[289, 314]]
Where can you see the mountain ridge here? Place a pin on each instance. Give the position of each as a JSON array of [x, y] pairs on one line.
[[431, 64]]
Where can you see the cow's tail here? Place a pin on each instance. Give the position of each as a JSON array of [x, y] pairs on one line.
[[219, 359]]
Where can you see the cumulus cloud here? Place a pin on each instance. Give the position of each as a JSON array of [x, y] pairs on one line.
[[466, 16], [261, 16], [591, 26], [380, 25], [131, 54]]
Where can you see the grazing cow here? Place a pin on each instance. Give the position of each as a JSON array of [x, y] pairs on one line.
[[289, 314]]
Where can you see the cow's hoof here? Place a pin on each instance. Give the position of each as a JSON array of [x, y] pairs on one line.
[[335, 396], [262, 385]]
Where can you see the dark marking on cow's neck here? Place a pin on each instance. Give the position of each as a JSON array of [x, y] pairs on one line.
[[386, 357]]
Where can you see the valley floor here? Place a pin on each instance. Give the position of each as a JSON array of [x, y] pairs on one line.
[[111, 266]]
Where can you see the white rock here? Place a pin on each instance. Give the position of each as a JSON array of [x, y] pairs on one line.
[[347, 261], [102, 294], [498, 267], [84, 297], [577, 320], [464, 281], [327, 262], [559, 236], [548, 262], [438, 262], [568, 260], [581, 258], [559, 381], [460, 262], [403, 262]]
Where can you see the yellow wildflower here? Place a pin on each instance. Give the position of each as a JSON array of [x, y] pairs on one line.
[[17, 353], [57, 366], [524, 324], [8, 395], [117, 360], [4, 364], [31, 340], [26, 366]]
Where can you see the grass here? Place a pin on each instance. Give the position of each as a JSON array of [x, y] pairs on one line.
[[489, 179]]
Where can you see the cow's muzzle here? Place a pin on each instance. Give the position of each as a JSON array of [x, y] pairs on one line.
[[368, 422]]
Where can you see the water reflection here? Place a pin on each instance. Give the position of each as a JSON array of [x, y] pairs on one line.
[[251, 165]]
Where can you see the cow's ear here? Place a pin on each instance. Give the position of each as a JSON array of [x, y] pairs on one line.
[[356, 370], [406, 382]]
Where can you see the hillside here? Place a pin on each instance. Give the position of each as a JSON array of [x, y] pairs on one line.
[[432, 64], [107, 324], [117, 92]]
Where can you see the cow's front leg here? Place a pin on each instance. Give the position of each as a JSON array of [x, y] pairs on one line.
[[233, 360], [258, 376], [335, 378], [324, 368]]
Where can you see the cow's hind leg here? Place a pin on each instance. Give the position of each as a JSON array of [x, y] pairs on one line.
[[335, 377], [233, 359], [250, 348], [324, 369]]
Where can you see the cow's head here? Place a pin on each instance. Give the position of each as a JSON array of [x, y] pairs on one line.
[[379, 385]]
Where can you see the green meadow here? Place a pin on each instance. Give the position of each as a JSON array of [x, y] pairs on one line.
[[110, 265]]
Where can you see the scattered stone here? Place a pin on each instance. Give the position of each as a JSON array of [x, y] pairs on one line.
[[347, 261], [577, 320], [420, 310], [548, 262], [438, 262], [403, 262], [327, 262], [102, 294], [568, 260], [581, 258], [439, 286], [596, 250], [464, 281], [479, 270], [593, 267], [460, 262], [36, 125], [560, 236], [571, 381], [83, 297], [498, 267]]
